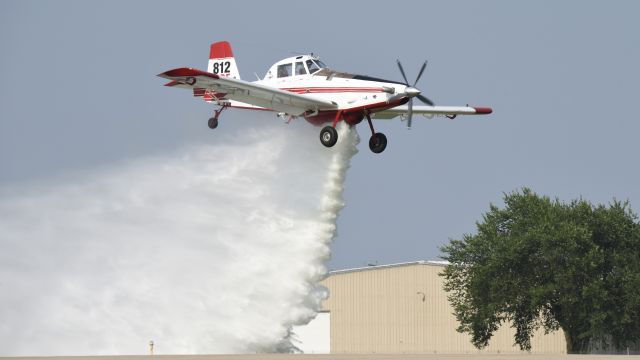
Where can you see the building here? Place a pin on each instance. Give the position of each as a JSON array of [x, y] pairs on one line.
[[401, 308]]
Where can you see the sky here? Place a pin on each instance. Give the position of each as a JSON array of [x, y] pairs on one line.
[[79, 93]]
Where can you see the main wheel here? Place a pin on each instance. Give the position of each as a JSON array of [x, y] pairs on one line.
[[213, 123], [378, 142], [328, 136]]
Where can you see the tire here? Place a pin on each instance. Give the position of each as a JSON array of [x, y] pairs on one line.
[[213, 123], [328, 136], [378, 142]]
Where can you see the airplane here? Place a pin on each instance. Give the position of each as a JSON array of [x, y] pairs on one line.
[[303, 86]]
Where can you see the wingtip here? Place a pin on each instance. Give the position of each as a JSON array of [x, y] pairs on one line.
[[483, 110], [185, 72], [179, 72]]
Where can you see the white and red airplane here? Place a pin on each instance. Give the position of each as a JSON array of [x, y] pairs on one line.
[[304, 86]]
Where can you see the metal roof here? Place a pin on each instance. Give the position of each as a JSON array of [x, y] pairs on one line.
[[377, 267]]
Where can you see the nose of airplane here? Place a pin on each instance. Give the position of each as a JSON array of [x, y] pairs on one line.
[[411, 91]]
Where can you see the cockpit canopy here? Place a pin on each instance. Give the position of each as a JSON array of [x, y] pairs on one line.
[[295, 66]]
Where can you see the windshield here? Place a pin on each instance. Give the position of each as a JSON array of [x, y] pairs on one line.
[[315, 65], [312, 67], [321, 64]]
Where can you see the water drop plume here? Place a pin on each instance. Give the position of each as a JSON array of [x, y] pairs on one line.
[[216, 248]]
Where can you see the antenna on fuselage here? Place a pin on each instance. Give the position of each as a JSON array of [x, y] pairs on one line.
[[298, 52]]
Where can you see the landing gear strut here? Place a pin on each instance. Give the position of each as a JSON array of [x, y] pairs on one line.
[[213, 121], [377, 141]]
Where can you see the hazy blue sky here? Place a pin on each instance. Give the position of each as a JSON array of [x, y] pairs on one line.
[[79, 91]]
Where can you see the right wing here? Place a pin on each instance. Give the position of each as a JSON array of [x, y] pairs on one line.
[[255, 94], [450, 111]]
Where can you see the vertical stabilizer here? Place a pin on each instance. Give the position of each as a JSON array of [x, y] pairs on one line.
[[221, 60]]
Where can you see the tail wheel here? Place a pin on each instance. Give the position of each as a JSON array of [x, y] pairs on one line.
[[213, 123], [378, 142], [328, 136]]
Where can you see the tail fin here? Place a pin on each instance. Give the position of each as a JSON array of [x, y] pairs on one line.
[[221, 60]]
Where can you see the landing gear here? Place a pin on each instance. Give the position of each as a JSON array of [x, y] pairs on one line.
[[377, 141], [213, 121], [328, 136]]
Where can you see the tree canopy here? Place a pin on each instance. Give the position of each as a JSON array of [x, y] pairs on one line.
[[539, 262]]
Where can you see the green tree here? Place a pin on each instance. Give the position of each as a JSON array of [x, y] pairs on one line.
[[540, 262]]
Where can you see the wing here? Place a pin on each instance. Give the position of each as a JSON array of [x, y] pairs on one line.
[[450, 111], [246, 92]]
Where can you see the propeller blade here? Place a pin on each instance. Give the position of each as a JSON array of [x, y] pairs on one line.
[[420, 73], [412, 91], [425, 100], [402, 72], [410, 113]]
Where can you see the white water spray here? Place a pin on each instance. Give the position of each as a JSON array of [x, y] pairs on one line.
[[216, 249]]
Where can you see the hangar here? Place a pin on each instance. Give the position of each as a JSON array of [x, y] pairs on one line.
[[400, 309]]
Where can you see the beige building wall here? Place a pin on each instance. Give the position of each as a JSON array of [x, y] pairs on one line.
[[403, 309]]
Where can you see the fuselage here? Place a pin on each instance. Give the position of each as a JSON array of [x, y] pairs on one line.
[[355, 95]]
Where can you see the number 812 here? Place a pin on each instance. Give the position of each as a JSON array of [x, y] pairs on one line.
[[221, 67]]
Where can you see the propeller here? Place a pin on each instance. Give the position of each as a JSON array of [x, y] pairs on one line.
[[413, 92]]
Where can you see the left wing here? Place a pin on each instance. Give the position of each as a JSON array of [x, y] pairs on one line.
[[246, 92], [450, 111]]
